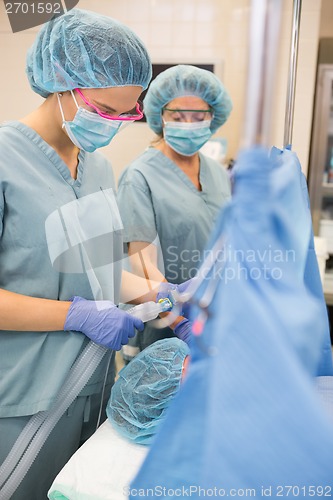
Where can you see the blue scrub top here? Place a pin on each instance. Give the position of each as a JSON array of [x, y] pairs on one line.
[[34, 182], [156, 197]]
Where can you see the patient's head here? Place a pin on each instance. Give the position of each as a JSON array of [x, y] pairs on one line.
[[145, 388]]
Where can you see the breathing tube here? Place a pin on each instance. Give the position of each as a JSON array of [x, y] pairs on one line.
[[40, 426]]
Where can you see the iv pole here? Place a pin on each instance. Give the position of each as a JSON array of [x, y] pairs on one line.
[[290, 103], [263, 43]]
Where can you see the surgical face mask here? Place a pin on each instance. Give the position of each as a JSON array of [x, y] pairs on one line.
[[89, 131], [187, 138]]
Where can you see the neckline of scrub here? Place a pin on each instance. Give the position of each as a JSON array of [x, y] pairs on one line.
[[50, 153], [171, 164]]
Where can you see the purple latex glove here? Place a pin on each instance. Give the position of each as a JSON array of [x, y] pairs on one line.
[[102, 322], [186, 307], [184, 331], [184, 286], [165, 289]]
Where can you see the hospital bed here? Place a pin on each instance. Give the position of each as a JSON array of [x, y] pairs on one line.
[[101, 469], [104, 466]]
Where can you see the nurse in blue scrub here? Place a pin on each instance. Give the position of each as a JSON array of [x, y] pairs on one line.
[[169, 197], [60, 230]]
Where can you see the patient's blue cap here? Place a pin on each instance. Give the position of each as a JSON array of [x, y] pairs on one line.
[[145, 387], [83, 49]]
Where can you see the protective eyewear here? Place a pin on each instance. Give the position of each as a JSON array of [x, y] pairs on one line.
[[133, 115], [187, 115]]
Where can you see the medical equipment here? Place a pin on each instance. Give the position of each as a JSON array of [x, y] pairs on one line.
[[34, 435], [183, 80], [181, 295], [150, 310], [187, 115], [290, 102], [86, 50], [136, 113]]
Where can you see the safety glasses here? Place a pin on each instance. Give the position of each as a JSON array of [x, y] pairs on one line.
[[187, 115], [130, 116]]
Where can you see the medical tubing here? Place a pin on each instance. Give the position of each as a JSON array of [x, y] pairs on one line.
[[20, 445], [110, 356], [32, 426], [78, 377]]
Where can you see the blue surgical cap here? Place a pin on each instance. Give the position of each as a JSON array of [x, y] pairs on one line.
[[141, 395], [184, 80], [82, 49]]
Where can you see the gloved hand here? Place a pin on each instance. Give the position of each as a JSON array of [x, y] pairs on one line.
[[166, 288], [164, 291], [186, 307], [184, 286], [184, 331], [102, 322]]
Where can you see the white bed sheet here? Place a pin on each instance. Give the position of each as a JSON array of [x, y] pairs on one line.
[[101, 469]]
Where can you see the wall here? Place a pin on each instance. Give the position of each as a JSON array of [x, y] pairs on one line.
[[186, 31], [326, 19]]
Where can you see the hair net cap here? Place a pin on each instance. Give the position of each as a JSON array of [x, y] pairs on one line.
[[141, 395], [83, 49], [183, 80]]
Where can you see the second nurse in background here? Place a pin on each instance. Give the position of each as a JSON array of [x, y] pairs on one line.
[[171, 194]]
